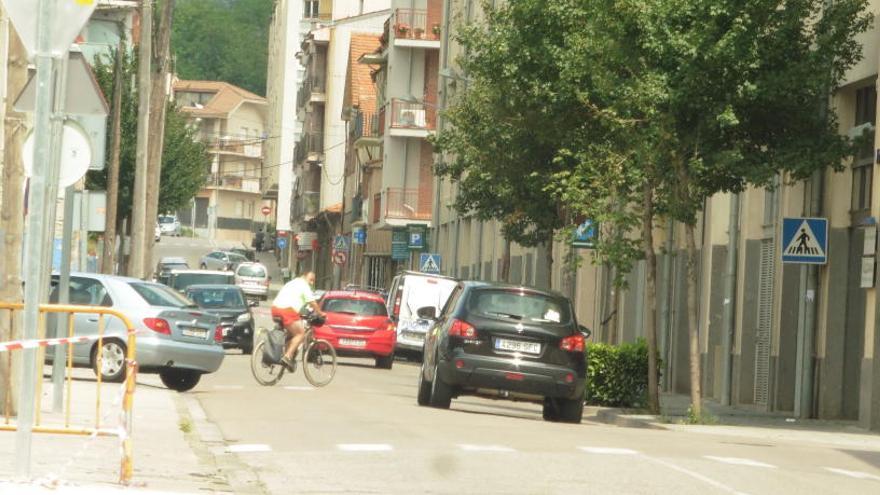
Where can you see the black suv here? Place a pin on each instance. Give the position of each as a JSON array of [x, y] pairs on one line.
[[229, 303], [505, 342]]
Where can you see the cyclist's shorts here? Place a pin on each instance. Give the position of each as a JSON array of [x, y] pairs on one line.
[[288, 316]]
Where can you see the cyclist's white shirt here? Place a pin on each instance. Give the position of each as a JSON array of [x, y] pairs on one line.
[[294, 295]]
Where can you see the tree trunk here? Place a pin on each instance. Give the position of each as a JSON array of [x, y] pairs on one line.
[[650, 297], [158, 102], [610, 329], [12, 218], [505, 262], [549, 246], [693, 328], [109, 258]]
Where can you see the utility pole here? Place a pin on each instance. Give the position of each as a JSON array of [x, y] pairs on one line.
[[136, 262], [108, 261], [158, 102]]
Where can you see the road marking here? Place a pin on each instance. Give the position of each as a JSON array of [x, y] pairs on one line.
[[248, 447], [228, 387], [485, 448], [364, 447], [739, 461], [695, 475], [299, 388], [854, 474], [608, 451]]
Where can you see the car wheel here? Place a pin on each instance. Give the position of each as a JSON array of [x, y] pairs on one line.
[[247, 349], [385, 362], [424, 397], [441, 392], [180, 380], [564, 410], [112, 361]]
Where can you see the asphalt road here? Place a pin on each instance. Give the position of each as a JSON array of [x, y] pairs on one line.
[[364, 433]]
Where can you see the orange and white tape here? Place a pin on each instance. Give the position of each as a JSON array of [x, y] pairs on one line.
[[33, 344]]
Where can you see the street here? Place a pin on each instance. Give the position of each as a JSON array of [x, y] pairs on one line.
[[364, 433]]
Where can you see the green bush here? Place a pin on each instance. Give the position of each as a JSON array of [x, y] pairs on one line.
[[617, 375]]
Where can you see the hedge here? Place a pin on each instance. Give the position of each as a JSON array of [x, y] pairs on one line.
[[617, 376]]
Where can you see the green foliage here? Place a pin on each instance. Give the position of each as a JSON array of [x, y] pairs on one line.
[[184, 160], [617, 376], [704, 418], [223, 40]]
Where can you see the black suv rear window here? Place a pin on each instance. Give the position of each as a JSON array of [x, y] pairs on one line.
[[361, 307], [519, 306]]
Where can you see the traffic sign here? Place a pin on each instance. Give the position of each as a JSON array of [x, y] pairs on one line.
[[399, 251], [430, 262], [340, 243], [282, 242], [360, 236], [67, 21], [585, 235], [266, 210], [76, 155], [339, 257], [416, 236], [805, 240]]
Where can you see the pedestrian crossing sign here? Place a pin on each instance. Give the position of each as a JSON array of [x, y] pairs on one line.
[[429, 263], [805, 240]]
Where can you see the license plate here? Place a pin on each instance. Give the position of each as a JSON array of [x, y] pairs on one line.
[[353, 342], [419, 337], [194, 332], [517, 346]]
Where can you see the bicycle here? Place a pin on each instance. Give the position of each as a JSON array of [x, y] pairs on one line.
[[318, 358]]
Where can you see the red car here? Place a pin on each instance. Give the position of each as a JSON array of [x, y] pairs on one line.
[[358, 325]]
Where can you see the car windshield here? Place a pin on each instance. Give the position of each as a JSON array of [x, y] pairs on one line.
[[159, 295], [519, 306], [184, 280], [363, 307], [174, 266], [166, 219], [215, 298], [251, 271]]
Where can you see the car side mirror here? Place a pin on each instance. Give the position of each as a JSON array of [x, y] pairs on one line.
[[427, 313], [585, 331]]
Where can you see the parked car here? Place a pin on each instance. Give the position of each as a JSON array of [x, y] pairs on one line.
[[169, 225], [175, 340], [358, 325], [229, 304], [158, 233], [409, 292], [253, 278], [221, 260], [249, 254], [179, 280], [505, 342], [166, 265]]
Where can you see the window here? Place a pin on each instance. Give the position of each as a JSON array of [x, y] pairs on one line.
[[159, 295], [251, 271], [863, 178], [239, 209], [83, 291], [519, 306], [863, 164], [310, 9], [866, 105], [362, 307], [217, 298]]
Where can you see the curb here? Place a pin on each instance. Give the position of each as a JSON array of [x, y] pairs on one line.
[[617, 417], [206, 441]]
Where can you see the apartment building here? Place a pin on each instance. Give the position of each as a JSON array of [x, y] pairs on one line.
[[232, 123]]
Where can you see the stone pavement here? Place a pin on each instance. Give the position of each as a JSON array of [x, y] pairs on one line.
[[167, 455]]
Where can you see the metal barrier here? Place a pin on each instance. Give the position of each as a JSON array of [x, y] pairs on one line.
[[123, 432]]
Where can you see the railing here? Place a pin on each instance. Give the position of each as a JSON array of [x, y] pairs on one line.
[[251, 147], [309, 143], [412, 115], [308, 204], [62, 423], [407, 204], [376, 213], [366, 125], [314, 84], [413, 24], [246, 183]]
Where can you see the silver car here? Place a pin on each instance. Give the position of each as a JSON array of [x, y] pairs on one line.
[[175, 339], [253, 278], [221, 260]]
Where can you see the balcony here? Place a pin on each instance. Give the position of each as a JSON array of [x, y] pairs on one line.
[[310, 148], [367, 129], [413, 29], [234, 182], [307, 205], [315, 88], [250, 148], [402, 206], [412, 119]]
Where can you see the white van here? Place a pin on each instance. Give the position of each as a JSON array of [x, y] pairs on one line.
[[409, 292]]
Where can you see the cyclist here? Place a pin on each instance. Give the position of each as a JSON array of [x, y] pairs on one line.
[[292, 300]]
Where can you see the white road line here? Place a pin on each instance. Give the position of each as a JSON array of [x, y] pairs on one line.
[[854, 474], [228, 387], [485, 448], [248, 447], [739, 461], [364, 447], [695, 475], [299, 388], [608, 451]]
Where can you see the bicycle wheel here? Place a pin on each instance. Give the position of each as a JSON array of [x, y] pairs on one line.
[[319, 363], [265, 374]]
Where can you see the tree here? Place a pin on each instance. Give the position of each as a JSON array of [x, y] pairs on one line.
[[223, 40], [184, 160]]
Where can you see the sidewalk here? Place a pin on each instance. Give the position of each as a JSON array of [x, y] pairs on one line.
[[165, 458], [732, 421]]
